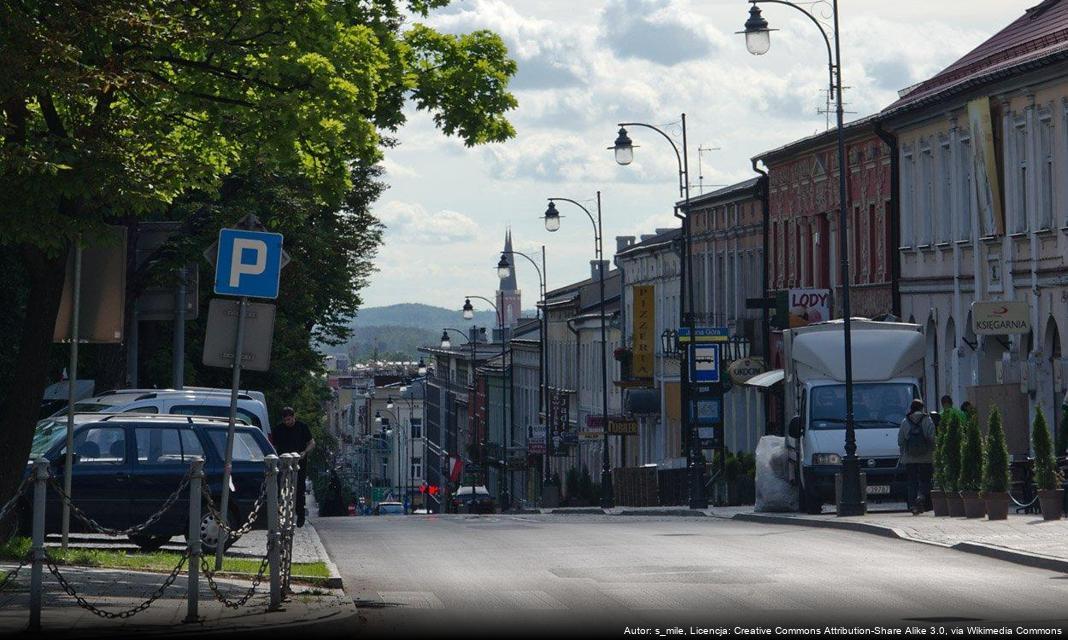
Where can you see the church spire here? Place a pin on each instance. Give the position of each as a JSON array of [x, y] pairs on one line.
[[509, 283]]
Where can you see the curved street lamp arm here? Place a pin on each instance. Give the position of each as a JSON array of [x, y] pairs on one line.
[[463, 333], [541, 279], [596, 233], [678, 155], [823, 32], [486, 300]]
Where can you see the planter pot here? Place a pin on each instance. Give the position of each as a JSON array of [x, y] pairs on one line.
[[974, 505], [997, 505], [954, 505], [938, 501], [1052, 501]]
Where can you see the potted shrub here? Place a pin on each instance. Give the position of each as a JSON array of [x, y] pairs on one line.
[[938, 491], [951, 460], [1062, 434], [996, 470], [1047, 478], [971, 471]]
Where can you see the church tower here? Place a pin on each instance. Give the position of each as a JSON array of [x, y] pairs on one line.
[[508, 295]]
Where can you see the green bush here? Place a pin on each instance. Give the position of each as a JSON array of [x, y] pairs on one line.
[[971, 458], [1062, 433], [939, 459], [1046, 475], [996, 469], [571, 483], [951, 454]]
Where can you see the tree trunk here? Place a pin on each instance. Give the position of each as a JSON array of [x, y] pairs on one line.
[[46, 275]]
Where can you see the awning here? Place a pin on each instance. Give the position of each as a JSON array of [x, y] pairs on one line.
[[642, 401], [767, 379]]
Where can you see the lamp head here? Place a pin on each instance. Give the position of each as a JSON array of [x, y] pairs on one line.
[[469, 310], [552, 217], [503, 268], [623, 147], [422, 366], [757, 33], [445, 342], [389, 402]]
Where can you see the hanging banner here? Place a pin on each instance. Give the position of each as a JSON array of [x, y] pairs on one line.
[[643, 330], [987, 185]]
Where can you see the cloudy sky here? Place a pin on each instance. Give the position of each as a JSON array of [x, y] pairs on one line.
[[585, 65]]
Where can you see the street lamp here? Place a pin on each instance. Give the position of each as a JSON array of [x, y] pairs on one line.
[[552, 223], [624, 151], [505, 427], [758, 41], [503, 268], [543, 395], [469, 311], [422, 365], [389, 402], [445, 342]]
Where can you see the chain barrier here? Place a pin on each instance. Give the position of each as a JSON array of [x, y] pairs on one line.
[[26, 482], [11, 575], [111, 615], [288, 526], [249, 523], [134, 530], [205, 567], [1021, 505]]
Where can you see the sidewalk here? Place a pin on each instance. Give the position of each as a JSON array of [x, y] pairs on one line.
[[1023, 539]]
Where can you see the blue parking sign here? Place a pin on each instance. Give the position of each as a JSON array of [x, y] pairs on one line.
[[249, 263]]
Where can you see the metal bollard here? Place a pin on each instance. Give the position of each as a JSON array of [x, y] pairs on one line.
[[196, 479], [274, 539], [40, 491], [292, 464]]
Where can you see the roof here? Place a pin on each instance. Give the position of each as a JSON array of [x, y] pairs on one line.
[[819, 139], [726, 193], [1038, 37], [655, 242]]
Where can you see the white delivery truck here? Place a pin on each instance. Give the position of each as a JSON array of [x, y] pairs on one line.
[[887, 369]]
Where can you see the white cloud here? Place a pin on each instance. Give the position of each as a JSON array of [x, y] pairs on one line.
[[414, 224]]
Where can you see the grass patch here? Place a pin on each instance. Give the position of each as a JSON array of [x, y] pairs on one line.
[[162, 561]]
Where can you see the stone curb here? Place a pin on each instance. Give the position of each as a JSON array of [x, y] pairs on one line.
[[1035, 560], [577, 511], [335, 580], [202, 628], [678, 513]]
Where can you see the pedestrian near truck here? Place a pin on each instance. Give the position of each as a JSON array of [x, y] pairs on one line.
[[293, 436], [915, 440]]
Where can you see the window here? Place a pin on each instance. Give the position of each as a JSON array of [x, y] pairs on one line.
[[215, 411], [144, 409], [967, 187], [1019, 215], [417, 468], [1046, 188], [908, 198], [416, 426], [945, 207], [157, 445], [872, 243], [101, 445], [246, 448], [926, 208]]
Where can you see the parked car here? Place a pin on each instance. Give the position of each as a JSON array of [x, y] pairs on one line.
[[389, 509], [191, 401], [468, 499], [126, 466]]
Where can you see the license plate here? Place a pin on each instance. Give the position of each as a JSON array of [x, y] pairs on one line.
[[879, 489]]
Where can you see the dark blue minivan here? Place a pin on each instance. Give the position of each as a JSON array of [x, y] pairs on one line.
[[127, 465]]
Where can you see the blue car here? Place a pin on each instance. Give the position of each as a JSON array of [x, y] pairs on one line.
[[127, 465]]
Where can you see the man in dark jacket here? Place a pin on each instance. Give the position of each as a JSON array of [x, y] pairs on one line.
[[293, 436], [915, 440]]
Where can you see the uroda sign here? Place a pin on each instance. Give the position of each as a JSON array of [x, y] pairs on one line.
[[742, 370], [1000, 318]]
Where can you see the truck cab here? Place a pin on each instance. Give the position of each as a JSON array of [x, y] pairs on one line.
[[887, 365]]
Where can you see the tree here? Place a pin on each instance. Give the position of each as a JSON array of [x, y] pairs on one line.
[[996, 469], [1062, 433], [941, 477], [971, 458], [1046, 474], [114, 109], [951, 454]]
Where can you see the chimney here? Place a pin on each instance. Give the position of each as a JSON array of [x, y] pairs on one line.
[[596, 266], [623, 242], [661, 232], [648, 236]]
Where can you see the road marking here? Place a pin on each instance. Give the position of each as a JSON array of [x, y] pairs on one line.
[[412, 599]]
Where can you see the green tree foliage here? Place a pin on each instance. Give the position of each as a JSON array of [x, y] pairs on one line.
[[996, 469], [1046, 474], [951, 454], [941, 477], [1062, 433], [114, 110], [971, 458]]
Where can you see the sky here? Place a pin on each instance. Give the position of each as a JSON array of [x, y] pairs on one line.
[[584, 66]]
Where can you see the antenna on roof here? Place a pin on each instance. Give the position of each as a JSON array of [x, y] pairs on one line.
[[700, 170], [828, 108]]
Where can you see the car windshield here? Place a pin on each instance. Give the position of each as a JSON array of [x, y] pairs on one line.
[[47, 435], [83, 407], [879, 405]]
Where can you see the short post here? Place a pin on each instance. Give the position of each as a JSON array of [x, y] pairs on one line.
[[273, 537], [40, 490], [196, 480]]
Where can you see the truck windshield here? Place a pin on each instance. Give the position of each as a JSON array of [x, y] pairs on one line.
[[879, 405]]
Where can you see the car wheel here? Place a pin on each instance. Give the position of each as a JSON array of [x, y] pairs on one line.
[[149, 543], [209, 530]]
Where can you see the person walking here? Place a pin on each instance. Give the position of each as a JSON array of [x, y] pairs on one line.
[[915, 440], [293, 436]]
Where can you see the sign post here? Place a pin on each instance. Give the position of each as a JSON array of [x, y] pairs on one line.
[[248, 264]]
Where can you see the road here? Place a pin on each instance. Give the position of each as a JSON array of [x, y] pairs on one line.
[[537, 574]]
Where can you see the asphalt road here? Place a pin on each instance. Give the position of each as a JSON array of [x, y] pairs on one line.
[[538, 574]]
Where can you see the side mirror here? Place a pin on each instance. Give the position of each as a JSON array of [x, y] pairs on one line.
[[795, 427]]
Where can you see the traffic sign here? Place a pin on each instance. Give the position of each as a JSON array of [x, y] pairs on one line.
[[248, 263], [704, 359]]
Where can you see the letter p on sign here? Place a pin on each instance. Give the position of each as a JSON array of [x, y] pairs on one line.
[[248, 263]]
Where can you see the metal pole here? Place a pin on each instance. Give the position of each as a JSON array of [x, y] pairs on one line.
[[132, 346], [40, 489], [607, 500], [178, 350], [224, 503], [852, 502], [543, 376], [273, 536], [72, 382], [502, 475], [193, 544], [698, 499]]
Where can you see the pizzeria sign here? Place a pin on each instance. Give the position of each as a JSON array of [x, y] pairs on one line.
[[1000, 318]]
